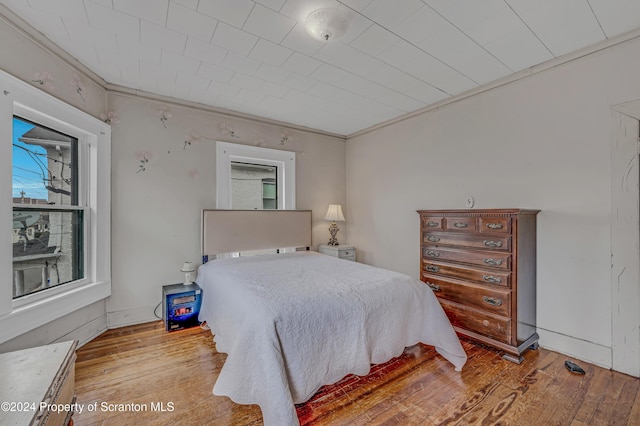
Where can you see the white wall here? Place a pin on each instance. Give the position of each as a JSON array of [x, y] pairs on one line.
[[156, 212], [541, 142]]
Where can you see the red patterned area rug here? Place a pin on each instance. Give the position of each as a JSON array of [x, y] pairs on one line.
[[352, 387]]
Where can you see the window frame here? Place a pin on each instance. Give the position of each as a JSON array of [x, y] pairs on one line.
[[285, 161], [18, 316]]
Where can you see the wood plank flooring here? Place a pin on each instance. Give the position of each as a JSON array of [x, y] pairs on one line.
[[170, 377]]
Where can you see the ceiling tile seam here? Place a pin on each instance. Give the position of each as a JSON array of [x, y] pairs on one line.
[[224, 58], [468, 36], [596, 18], [166, 16], [287, 35], [140, 33], [247, 18], [360, 98], [530, 29], [317, 81], [197, 75], [86, 13], [417, 47], [260, 37], [214, 33], [375, 82], [174, 80], [365, 76], [268, 41], [275, 10], [66, 28], [227, 49], [136, 17], [184, 46]]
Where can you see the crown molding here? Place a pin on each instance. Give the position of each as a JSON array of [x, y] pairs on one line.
[[26, 30], [115, 89]]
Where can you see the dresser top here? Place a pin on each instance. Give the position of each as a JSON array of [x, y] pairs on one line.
[[477, 212], [29, 373]]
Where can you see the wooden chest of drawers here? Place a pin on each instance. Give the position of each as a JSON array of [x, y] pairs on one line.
[[482, 266]]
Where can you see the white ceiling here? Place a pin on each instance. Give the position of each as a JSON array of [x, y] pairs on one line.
[[254, 57]]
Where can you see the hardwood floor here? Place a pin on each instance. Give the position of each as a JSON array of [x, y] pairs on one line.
[[171, 376]]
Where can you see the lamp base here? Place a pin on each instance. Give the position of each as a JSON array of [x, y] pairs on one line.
[[333, 230], [188, 278]]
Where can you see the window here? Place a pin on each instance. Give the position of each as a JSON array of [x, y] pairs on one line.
[[254, 178], [239, 167], [55, 234], [48, 216], [253, 186], [269, 194]]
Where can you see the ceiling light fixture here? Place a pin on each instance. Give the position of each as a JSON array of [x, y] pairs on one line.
[[327, 24]]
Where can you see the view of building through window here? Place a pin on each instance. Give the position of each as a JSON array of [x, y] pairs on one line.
[[253, 186], [47, 218]]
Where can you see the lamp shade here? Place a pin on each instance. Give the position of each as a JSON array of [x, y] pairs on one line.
[[188, 267], [334, 213]]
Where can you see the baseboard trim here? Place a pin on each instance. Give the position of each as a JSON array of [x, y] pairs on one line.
[[593, 353], [87, 332], [127, 317]]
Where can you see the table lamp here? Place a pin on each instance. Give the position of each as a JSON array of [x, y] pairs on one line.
[[334, 214], [188, 268]]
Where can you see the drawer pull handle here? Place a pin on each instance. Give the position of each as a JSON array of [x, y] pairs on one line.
[[432, 253], [494, 225], [490, 243], [433, 239], [433, 286], [432, 268], [492, 279], [493, 262], [491, 301], [460, 225], [432, 224]]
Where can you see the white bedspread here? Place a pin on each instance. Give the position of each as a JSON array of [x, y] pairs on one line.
[[291, 323]]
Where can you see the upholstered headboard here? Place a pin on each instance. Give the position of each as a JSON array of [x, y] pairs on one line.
[[226, 231]]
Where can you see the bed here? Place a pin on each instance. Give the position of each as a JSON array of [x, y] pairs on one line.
[[293, 322]]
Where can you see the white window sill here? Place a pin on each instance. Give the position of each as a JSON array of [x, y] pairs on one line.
[[30, 316]]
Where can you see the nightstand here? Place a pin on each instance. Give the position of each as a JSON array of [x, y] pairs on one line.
[[343, 252], [181, 305]]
